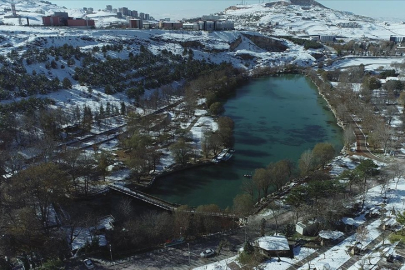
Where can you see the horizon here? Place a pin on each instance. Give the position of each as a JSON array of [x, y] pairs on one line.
[[180, 9]]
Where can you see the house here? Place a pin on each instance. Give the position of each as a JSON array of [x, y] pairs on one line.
[[309, 228], [350, 224], [274, 246], [330, 237]]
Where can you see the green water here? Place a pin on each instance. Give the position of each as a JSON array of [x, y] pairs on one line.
[[275, 118]]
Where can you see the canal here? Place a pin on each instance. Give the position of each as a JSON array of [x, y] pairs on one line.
[[275, 118]]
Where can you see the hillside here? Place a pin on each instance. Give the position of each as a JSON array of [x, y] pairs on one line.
[[303, 18]]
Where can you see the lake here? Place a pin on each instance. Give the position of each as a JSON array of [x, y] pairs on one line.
[[275, 118]]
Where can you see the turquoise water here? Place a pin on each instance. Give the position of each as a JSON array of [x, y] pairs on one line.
[[275, 118]]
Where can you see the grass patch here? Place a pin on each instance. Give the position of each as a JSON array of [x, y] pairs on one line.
[[395, 237]]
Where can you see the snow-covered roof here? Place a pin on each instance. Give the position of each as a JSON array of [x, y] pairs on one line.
[[273, 243], [352, 221], [332, 235]]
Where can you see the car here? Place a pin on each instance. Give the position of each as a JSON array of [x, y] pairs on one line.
[[88, 263], [207, 253]]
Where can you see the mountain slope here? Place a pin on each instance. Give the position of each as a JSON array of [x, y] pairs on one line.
[[307, 17]]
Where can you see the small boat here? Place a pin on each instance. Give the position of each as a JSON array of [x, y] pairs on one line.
[[247, 175], [224, 155]]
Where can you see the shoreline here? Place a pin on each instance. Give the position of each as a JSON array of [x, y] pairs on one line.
[[339, 122]]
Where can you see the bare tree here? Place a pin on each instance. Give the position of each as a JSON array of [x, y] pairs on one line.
[[276, 211], [362, 234], [349, 136], [306, 161]]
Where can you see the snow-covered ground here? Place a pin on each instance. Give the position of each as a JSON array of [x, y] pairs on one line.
[[287, 19]]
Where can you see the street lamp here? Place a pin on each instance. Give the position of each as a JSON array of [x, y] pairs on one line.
[[111, 254]]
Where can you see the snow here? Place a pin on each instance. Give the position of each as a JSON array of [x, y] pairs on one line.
[[273, 243], [332, 235]]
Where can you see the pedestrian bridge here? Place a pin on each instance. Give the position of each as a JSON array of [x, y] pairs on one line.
[[145, 197], [162, 203]]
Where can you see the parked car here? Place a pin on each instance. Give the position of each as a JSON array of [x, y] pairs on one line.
[[207, 253], [88, 263]]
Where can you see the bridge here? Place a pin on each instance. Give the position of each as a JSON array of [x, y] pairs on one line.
[[161, 203], [145, 197]]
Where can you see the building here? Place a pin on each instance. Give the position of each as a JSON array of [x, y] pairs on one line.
[[90, 10], [327, 38], [191, 26], [330, 237], [134, 13], [114, 10], [210, 17], [308, 229], [397, 39], [170, 25], [80, 23], [142, 16], [124, 11], [148, 25], [108, 8], [209, 26], [135, 23], [62, 19], [13, 10], [224, 25], [274, 246], [57, 19], [146, 16]]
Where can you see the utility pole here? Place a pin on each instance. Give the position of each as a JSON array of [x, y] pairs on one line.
[[188, 245], [111, 254]]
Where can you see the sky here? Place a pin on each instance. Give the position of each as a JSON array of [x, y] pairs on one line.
[[179, 9]]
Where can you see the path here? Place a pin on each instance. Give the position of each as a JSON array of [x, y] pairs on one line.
[[361, 142], [369, 248]]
